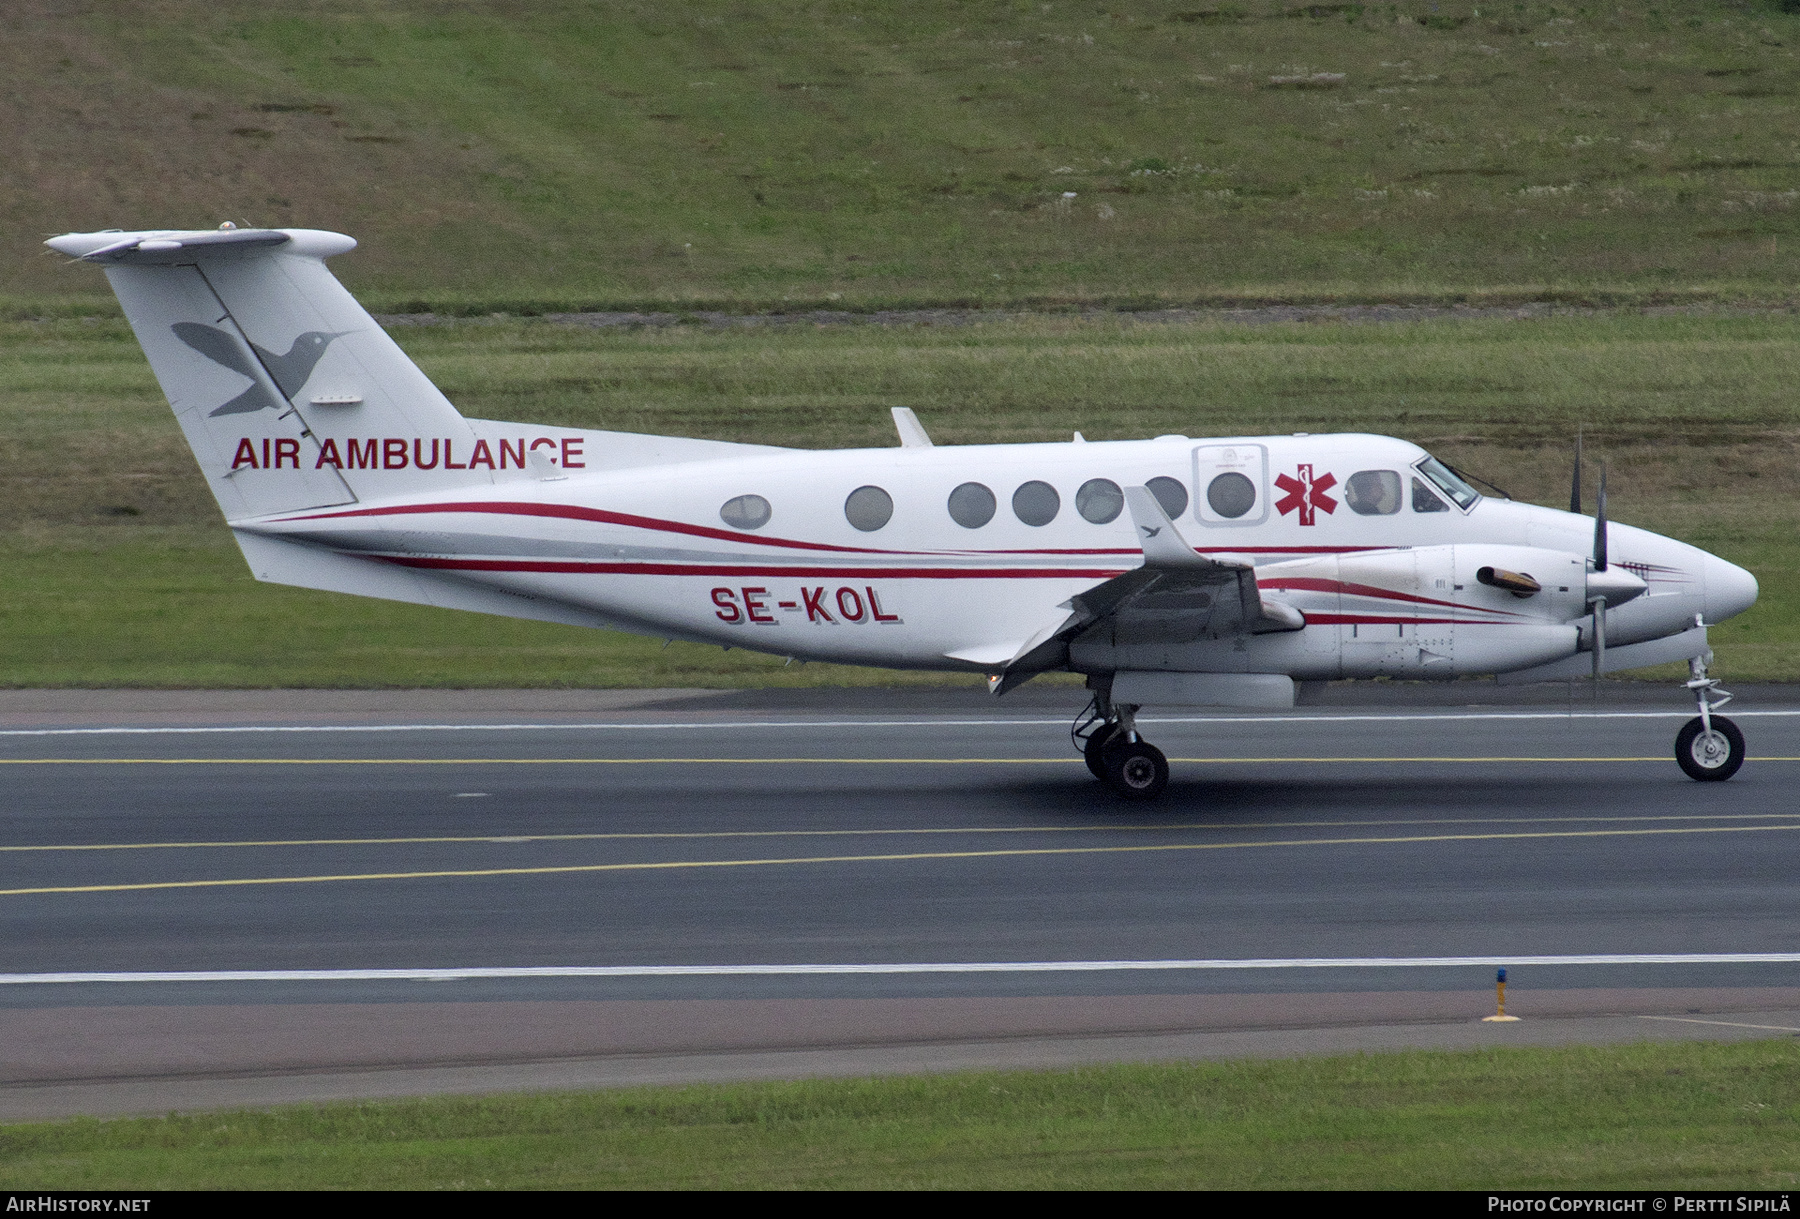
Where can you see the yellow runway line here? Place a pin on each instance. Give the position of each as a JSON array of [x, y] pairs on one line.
[[669, 865], [687, 835]]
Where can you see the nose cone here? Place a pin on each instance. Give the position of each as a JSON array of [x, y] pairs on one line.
[[1729, 589]]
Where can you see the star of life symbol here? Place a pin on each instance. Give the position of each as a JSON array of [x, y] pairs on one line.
[[1306, 493]]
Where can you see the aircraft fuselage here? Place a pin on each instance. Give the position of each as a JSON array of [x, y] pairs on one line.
[[1379, 577]]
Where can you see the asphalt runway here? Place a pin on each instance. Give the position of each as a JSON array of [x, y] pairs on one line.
[[700, 848]]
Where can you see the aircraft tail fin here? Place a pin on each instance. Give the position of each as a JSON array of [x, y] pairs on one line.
[[289, 393]]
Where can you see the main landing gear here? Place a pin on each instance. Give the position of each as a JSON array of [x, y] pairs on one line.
[[1106, 735], [1709, 747]]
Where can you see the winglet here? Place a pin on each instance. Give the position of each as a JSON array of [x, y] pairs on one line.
[[912, 432], [1156, 533]]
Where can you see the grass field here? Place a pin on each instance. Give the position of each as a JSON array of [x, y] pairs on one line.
[[120, 573], [1676, 1116], [494, 154], [500, 158]]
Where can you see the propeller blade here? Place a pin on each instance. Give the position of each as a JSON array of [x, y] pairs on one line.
[[1599, 603], [1599, 608], [1575, 482], [1600, 523]]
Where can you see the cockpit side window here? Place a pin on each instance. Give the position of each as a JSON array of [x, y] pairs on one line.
[[1373, 492], [1424, 500], [1444, 480]]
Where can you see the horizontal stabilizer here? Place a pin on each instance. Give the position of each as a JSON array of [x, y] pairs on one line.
[[280, 561], [173, 246], [588, 452]]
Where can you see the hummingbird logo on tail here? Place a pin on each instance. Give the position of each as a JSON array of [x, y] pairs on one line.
[[289, 371]]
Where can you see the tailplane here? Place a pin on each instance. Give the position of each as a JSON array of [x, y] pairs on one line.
[[289, 393]]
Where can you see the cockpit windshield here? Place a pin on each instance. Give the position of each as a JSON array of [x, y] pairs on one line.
[[1440, 476]]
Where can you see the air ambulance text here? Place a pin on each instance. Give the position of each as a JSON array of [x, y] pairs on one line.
[[396, 453]]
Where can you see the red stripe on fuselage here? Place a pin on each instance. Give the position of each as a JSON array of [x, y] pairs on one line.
[[1292, 549], [598, 515], [632, 520], [557, 567], [542, 567], [1317, 585]]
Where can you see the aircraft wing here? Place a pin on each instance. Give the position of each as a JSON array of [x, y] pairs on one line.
[[1176, 591]]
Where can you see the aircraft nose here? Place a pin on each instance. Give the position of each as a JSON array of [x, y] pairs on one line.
[[1729, 589]]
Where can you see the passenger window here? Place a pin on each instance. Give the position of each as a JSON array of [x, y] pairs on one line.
[[1230, 495], [1099, 500], [869, 508], [1036, 503], [972, 505], [1425, 501], [1171, 494], [1373, 493], [745, 512]]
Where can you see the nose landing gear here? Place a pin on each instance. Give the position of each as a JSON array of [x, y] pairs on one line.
[[1106, 735], [1709, 747]]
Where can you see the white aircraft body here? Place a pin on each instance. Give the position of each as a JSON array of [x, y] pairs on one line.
[[1176, 571]]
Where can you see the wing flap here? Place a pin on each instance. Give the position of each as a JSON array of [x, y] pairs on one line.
[[1176, 596]]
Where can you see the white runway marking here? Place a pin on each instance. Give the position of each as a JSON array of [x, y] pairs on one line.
[[1730, 1024], [940, 967], [945, 723]]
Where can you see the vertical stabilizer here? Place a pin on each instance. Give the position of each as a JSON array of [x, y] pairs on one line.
[[289, 393], [253, 448]]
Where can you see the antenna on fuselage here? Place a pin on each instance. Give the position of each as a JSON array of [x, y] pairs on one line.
[[912, 432]]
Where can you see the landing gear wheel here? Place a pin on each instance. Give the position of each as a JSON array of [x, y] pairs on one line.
[[1135, 770], [1710, 757], [1093, 750]]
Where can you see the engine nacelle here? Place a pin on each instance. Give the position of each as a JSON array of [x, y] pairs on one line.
[[1423, 612]]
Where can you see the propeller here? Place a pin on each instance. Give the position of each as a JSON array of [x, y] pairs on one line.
[[1600, 523], [1598, 604], [1575, 483]]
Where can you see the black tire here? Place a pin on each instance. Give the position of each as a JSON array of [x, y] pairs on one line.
[[1094, 749], [1709, 758], [1136, 770]]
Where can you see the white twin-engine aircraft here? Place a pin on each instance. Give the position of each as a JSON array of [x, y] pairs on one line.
[[1171, 572]]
